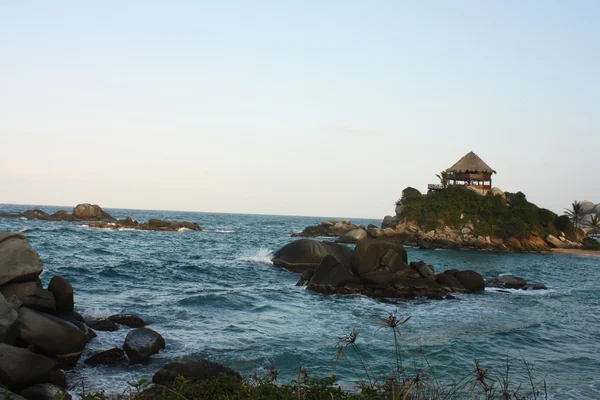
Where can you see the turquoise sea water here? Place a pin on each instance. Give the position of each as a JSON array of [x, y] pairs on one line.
[[214, 294]]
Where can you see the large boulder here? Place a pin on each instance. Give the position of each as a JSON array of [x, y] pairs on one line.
[[587, 206], [52, 336], [304, 254], [8, 322], [91, 212], [354, 236], [106, 357], [63, 294], [20, 367], [447, 279], [18, 261], [507, 282], [471, 280], [45, 391], [30, 294], [374, 255], [141, 343], [327, 228], [192, 370], [425, 270], [331, 276], [102, 325]]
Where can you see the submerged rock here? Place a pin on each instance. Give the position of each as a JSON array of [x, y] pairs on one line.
[[506, 282], [102, 325]]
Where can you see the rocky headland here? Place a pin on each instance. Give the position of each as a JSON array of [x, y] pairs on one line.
[[378, 269], [458, 218], [95, 217], [41, 334]]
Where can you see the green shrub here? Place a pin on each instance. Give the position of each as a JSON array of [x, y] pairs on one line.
[[590, 244]]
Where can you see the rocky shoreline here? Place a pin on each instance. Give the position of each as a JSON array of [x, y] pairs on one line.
[[396, 230], [96, 217], [41, 334]]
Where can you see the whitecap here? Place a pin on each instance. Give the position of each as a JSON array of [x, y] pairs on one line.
[[23, 218], [99, 312], [261, 255], [223, 231], [183, 229], [22, 230], [539, 292]]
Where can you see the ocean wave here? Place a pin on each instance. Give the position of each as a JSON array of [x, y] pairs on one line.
[[261, 255], [224, 231]]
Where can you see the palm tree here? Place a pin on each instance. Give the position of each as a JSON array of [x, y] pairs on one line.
[[444, 178], [594, 225], [575, 213]]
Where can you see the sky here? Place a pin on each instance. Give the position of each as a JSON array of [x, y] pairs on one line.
[[320, 108]]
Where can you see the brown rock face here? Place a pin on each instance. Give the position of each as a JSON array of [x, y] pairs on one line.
[[471, 280], [91, 212], [373, 255]]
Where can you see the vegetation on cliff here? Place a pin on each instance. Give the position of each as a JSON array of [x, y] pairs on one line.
[[493, 215]]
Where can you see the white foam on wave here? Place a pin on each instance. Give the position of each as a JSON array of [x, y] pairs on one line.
[[22, 230], [22, 218], [505, 274], [183, 229], [223, 231], [261, 255], [540, 292], [126, 229], [100, 312], [82, 226]]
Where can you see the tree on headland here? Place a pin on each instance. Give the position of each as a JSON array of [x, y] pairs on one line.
[[444, 178], [594, 225], [575, 213]]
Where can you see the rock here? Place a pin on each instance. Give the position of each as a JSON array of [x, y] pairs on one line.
[[141, 343], [4, 236], [586, 206], [375, 232], [12, 395], [535, 286], [21, 367], [8, 322], [169, 226], [89, 333], [303, 254], [111, 356], [425, 270], [63, 294], [45, 391], [331, 276], [471, 280], [130, 320], [448, 280], [91, 212], [52, 336], [354, 236], [102, 325], [388, 222], [192, 370], [480, 242], [72, 316], [30, 294], [379, 278], [18, 261], [327, 228], [506, 282], [372, 255], [398, 210], [497, 192]]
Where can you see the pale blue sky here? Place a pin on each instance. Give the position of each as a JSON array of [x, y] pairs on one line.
[[305, 108]]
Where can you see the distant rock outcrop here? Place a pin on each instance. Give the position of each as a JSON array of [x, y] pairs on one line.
[[96, 217], [330, 228]]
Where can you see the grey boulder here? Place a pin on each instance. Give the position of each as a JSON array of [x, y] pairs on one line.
[[18, 261], [30, 294], [304, 254], [8, 322], [21, 367], [45, 391]]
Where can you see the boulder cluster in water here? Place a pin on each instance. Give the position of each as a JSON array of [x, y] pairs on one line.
[[96, 217], [41, 334], [379, 269]]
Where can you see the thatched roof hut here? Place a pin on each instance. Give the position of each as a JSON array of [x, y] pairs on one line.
[[471, 164], [473, 172]]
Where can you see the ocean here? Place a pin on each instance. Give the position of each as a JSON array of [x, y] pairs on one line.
[[215, 294]]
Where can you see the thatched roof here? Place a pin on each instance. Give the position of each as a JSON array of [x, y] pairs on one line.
[[471, 163]]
